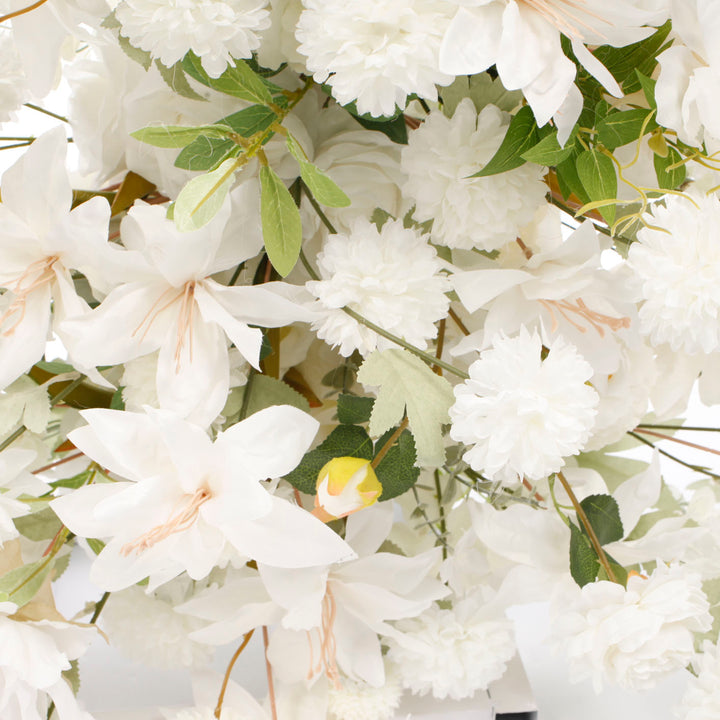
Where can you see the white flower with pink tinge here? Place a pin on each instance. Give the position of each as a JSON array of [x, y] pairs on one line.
[[189, 502]]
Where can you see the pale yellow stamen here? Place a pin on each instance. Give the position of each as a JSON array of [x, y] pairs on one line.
[[557, 12], [595, 319], [186, 295], [35, 275], [181, 520], [328, 648]]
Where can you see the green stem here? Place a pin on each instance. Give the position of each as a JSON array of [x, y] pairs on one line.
[[688, 465], [679, 427], [99, 605], [47, 112], [443, 524], [248, 392], [323, 217]]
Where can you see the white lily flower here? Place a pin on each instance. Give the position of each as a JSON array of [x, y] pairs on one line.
[[169, 302], [42, 240], [186, 498]]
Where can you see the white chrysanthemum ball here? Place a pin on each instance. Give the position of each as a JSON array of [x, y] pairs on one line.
[[632, 637], [359, 701], [376, 52], [521, 414], [452, 653], [215, 30], [467, 212], [148, 629], [390, 277], [677, 261], [701, 700]]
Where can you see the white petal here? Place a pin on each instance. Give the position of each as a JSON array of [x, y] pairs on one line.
[[638, 493], [475, 288], [76, 510], [567, 114], [358, 649], [300, 591], [366, 530], [596, 68], [548, 91], [472, 40]]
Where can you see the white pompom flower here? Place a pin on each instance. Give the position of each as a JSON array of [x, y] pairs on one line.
[[440, 158], [390, 277], [376, 52], [215, 31], [701, 700], [521, 414], [356, 700], [677, 261]]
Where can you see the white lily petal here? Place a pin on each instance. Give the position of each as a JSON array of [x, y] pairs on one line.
[[471, 42], [359, 653], [547, 92], [596, 68], [639, 493], [567, 114], [299, 591], [475, 288]]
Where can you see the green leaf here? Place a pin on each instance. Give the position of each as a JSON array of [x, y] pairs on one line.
[[324, 190], [522, 134], [548, 152], [343, 441], [482, 90], [394, 128], [621, 128], [648, 87], [117, 402], [251, 120], [22, 584], [584, 564], [177, 81], [669, 179], [139, 56], [206, 154], [75, 481], [54, 367], [267, 391], [239, 81], [406, 382], [72, 676], [354, 409], [178, 136], [603, 515], [397, 472], [281, 224], [201, 199], [41, 525], [95, 545], [597, 175]]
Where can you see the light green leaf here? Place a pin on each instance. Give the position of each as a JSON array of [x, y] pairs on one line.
[[669, 179], [267, 391], [42, 525], [177, 81], [178, 136], [72, 676], [95, 545], [406, 382], [324, 190], [201, 199], [22, 584], [597, 174], [281, 224], [206, 154], [142, 57]]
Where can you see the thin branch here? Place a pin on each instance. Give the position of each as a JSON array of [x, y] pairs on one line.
[[226, 679], [42, 110], [388, 445], [99, 605], [268, 670], [22, 11], [676, 459], [678, 440]]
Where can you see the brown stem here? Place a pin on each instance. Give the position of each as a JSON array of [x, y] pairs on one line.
[[268, 670], [458, 322], [526, 250], [226, 679], [22, 11], [57, 462], [440, 345], [677, 440], [588, 528], [391, 441]]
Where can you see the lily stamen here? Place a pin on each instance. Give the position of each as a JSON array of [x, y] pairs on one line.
[[594, 318], [182, 520], [328, 646]]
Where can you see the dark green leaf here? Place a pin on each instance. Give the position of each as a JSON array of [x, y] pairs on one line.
[[569, 181], [281, 224], [548, 152], [648, 87], [267, 391], [343, 441], [603, 514], [117, 402], [354, 409], [669, 179], [396, 471], [522, 134], [395, 129], [584, 564], [597, 175], [621, 128], [175, 78]]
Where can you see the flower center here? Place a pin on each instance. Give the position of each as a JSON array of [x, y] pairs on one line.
[[563, 15], [34, 276], [580, 309], [186, 296], [328, 650], [185, 515]]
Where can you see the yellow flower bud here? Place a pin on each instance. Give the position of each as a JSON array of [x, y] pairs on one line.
[[344, 486]]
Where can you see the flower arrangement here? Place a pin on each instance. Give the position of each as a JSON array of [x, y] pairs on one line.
[[361, 303]]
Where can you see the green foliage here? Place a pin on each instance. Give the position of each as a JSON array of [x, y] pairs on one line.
[[397, 472], [266, 391], [72, 676], [569, 180], [621, 128], [597, 175], [343, 441], [354, 409], [22, 584], [648, 87], [548, 152], [603, 514], [482, 90], [668, 177], [406, 382], [522, 134], [41, 525], [206, 154], [141, 57], [584, 564], [281, 224], [177, 81], [178, 136], [95, 545]]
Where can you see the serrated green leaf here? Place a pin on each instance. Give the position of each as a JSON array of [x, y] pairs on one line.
[[239, 81], [548, 152], [117, 402], [354, 409], [597, 175], [206, 154], [41, 525], [281, 224], [343, 441], [406, 382], [178, 136], [72, 676], [584, 564], [522, 134], [267, 391], [669, 179], [603, 515], [621, 128], [201, 198], [482, 90], [397, 472], [341, 377], [22, 584], [141, 57], [177, 81]]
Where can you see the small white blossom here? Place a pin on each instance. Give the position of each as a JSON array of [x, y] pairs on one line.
[[390, 277], [467, 212], [522, 414], [701, 700], [359, 701]]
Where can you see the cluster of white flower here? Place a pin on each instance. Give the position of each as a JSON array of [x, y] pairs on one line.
[[337, 360]]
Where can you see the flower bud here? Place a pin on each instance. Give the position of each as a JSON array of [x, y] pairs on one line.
[[344, 486]]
